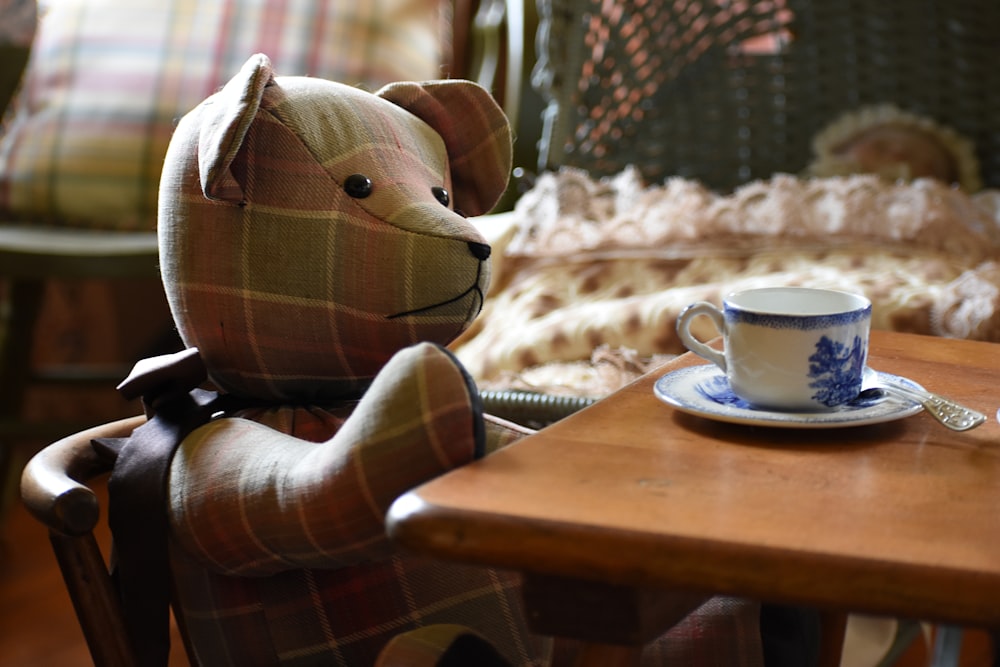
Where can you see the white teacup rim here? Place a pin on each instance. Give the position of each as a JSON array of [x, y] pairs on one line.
[[796, 301]]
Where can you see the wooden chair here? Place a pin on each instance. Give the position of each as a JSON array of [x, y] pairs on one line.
[[54, 489]]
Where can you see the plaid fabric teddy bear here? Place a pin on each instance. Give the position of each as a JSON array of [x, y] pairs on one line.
[[314, 250]]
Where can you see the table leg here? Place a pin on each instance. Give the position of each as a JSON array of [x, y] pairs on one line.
[[833, 627]]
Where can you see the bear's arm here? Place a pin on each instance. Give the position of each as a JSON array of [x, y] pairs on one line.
[[250, 500]]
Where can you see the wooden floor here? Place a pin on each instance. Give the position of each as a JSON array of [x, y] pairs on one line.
[[38, 627]]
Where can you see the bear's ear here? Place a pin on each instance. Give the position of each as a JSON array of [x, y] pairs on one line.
[[225, 118], [475, 131]]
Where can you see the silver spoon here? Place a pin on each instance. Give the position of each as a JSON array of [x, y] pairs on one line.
[[951, 414]]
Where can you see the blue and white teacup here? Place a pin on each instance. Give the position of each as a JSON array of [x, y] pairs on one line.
[[787, 348]]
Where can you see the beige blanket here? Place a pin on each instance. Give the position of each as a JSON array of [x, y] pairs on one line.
[[584, 269]]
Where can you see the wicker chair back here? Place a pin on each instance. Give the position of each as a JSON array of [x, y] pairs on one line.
[[726, 91]]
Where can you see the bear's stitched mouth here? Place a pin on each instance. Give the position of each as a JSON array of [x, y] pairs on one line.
[[472, 289]]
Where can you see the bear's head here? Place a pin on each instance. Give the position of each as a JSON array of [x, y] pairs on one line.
[[309, 230]]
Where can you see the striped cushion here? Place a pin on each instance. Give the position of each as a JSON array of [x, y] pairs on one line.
[[108, 80]]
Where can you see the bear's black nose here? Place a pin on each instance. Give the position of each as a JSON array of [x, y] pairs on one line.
[[480, 251]]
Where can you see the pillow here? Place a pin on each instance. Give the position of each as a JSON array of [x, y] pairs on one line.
[[108, 79]]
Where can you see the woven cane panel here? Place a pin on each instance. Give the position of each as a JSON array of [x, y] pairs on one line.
[[729, 90]]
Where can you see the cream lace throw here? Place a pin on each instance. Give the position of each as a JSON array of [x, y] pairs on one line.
[[593, 273]]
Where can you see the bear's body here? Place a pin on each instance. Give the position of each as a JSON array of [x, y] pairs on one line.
[[316, 257], [308, 239]]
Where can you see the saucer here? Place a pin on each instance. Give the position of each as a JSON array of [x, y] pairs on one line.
[[704, 391]]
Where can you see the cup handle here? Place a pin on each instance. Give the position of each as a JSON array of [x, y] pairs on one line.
[[690, 342]]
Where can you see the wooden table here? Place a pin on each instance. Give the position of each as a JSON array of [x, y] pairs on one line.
[[641, 507]]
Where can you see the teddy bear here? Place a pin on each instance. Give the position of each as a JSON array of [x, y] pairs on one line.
[[317, 259]]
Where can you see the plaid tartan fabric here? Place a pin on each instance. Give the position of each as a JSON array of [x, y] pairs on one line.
[[107, 81], [248, 501], [291, 289], [723, 632], [345, 617], [478, 167], [500, 433]]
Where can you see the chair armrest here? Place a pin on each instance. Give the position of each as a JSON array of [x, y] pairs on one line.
[[53, 483]]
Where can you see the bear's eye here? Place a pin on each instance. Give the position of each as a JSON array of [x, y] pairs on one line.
[[441, 195], [358, 186]]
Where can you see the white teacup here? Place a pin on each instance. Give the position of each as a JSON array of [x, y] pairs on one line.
[[787, 348]]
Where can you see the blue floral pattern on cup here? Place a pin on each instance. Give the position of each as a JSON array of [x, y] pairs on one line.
[[837, 370]]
